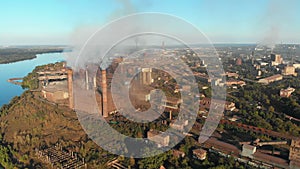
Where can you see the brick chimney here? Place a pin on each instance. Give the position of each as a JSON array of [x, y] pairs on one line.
[[70, 88], [104, 94]]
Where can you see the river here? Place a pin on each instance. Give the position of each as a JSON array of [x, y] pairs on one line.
[[21, 69]]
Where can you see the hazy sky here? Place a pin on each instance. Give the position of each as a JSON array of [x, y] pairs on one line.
[[223, 21]]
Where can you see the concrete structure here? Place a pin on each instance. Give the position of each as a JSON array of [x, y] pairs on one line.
[[289, 70], [58, 158], [53, 75], [172, 102], [199, 154], [146, 76], [294, 155], [248, 150], [286, 92], [276, 59], [176, 126], [205, 103], [104, 94], [57, 85], [270, 79], [158, 137], [271, 143], [95, 82], [55, 91]]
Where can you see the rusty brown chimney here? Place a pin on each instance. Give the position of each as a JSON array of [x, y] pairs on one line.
[[104, 94], [70, 88]]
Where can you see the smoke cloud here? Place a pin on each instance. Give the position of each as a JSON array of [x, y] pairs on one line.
[[126, 7], [276, 19], [83, 33]]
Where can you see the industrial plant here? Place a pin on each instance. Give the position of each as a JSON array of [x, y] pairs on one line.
[[264, 148]]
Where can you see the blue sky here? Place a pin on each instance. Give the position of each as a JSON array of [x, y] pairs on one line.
[[223, 21]]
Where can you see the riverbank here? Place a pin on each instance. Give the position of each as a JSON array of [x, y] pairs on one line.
[[15, 81], [21, 69], [15, 54]]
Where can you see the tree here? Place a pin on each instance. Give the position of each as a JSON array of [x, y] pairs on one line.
[[153, 162], [271, 109]]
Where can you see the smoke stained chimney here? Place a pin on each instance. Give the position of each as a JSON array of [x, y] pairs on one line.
[[87, 79], [70, 88], [104, 94]]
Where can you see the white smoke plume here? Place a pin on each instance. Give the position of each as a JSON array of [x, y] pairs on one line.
[[83, 33]]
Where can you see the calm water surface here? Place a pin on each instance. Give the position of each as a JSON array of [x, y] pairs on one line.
[[21, 69]]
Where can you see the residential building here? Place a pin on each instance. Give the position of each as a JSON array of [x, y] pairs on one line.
[[158, 137], [286, 92], [199, 154]]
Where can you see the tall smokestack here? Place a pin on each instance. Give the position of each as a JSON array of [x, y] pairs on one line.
[[70, 88], [104, 94], [87, 79], [95, 82]]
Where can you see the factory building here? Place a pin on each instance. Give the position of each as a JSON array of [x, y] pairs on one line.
[[158, 137], [270, 79], [146, 76], [289, 70], [56, 91], [276, 59], [57, 85], [248, 150]]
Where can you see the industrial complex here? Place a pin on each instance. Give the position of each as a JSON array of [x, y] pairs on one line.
[[57, 86]]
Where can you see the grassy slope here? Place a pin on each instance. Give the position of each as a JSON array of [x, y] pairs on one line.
[[32, 123]]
